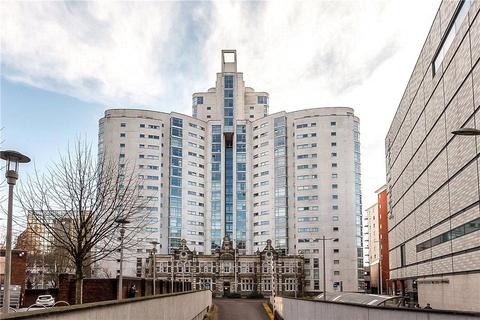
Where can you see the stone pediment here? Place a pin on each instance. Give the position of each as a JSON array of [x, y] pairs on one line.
[[227, 251], [269, 252], [227, 256], [184, 253]]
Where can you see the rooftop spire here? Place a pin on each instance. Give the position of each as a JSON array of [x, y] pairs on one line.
[[229, 61]]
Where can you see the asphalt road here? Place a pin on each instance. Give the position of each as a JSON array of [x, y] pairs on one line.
[[240, 309]]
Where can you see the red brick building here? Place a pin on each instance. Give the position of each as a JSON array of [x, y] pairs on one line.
[[19, 267], [383, 237], [377, 221]]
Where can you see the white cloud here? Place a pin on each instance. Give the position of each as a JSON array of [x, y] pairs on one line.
[[305, 54], [329, 53], [93, 50]]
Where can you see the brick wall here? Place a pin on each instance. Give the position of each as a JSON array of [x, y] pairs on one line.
[[19, 267], [95, 290], [66, 288], [99, 290]]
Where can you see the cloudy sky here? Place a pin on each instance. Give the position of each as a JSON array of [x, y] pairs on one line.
[[64, 63]]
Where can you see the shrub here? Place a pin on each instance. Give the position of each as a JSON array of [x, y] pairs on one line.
[[255, 295], [233, 295]]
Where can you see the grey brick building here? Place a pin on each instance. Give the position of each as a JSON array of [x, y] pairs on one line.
[[433, 176]]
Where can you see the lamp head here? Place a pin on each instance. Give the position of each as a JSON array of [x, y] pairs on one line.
[[13, 158], [466, 132], [122, 221]]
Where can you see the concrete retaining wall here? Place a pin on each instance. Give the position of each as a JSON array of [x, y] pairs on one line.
[[293, 309], [176, 306]]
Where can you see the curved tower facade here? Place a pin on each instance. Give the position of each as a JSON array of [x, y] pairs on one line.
[[232, 169]]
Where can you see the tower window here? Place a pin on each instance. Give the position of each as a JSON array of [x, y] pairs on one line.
[[262, 100]]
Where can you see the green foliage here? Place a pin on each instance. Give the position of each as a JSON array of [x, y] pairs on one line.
[[255, 295], [233, 295]]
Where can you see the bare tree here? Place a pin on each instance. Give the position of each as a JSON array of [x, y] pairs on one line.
[[78, 202], [44, 264], [104, 273]]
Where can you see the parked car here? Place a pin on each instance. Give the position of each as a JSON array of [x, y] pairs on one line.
[[46, 300]]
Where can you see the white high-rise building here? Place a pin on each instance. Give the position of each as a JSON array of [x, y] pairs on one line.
[[233, 170]]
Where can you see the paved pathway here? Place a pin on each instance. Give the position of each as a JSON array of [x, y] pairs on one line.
[[240, 309]]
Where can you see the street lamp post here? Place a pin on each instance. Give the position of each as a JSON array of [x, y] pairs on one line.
[[273, 270], [13, 158], [380, 285], [184, 276], [154, 264], [381, 271], [235, 264], [122, 222], [172, 274], [324, 271]]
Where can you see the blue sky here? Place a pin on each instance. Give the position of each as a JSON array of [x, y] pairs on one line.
[[40, 123], [64, 63]]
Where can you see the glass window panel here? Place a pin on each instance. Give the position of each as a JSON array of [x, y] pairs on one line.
[[176, 132], [458, 231], [446, 236], [279, 121], [435, 241], [176, 171], [176, 142], [177, 151], [241, 148], [241, 138], [177, 122], [241, 129], [262, 100], [175, 181], [177, 192], [462, 14], [228, 112], [472, 226], [241, 157], [176, 161], [241, 176], [228, 81]]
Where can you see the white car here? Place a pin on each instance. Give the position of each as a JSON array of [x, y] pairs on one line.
[[46, 300]]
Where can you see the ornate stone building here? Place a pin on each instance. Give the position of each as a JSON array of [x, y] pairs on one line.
[[218, 273]]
